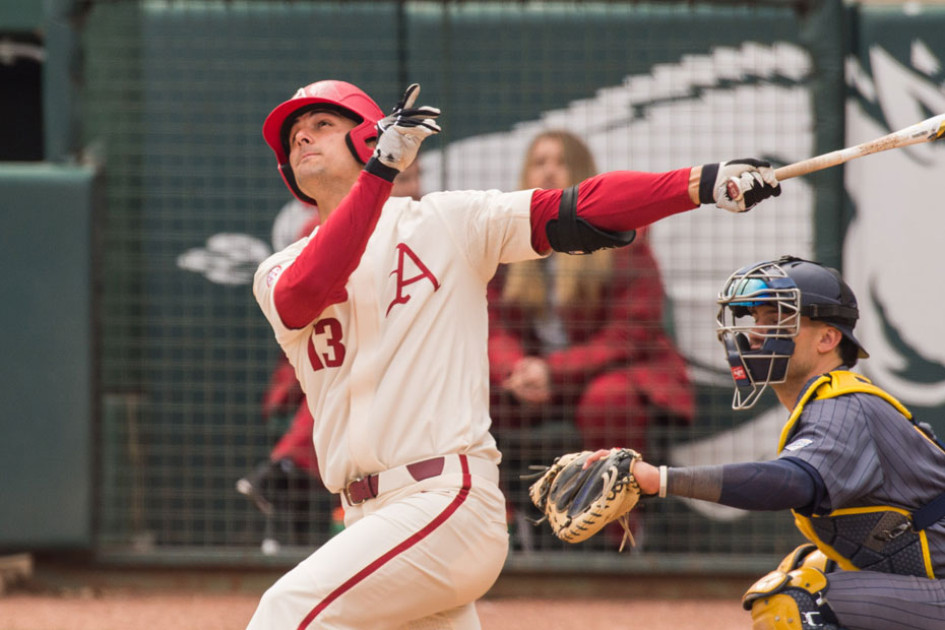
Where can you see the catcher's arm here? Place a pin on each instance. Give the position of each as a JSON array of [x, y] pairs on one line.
[[774, 485], [582, 492]]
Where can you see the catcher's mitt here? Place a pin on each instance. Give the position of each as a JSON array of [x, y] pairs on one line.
[[579, 503]]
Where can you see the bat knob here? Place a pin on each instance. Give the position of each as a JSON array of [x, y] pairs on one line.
[[734, 191]]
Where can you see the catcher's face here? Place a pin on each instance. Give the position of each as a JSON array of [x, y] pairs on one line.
[[766, 317], [758, 322]]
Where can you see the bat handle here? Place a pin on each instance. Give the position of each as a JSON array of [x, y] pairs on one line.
[[817, 163], [734, 192]]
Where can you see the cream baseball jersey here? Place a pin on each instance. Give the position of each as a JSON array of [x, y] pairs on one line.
[[397, 371]]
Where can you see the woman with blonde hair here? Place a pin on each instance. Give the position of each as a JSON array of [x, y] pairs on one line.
[[582, 337]]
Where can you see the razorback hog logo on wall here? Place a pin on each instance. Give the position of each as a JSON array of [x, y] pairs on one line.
[[892, 250]]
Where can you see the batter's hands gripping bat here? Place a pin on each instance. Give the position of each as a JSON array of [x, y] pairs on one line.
[[926, 131]]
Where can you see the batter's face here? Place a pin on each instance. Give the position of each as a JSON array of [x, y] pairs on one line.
[[546, 166], [318, 152]]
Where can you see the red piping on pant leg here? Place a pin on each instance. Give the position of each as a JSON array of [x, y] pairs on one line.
[[393, 553]]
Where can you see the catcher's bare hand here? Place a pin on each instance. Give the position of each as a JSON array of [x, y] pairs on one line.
[[596, 455]]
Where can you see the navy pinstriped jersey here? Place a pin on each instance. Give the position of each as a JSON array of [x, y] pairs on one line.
[[869, 454]]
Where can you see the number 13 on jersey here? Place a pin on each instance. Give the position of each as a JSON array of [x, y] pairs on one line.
[[328, 334]]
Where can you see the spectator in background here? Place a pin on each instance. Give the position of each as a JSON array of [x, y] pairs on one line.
[[293, 454], [582, 338], [407, 183]]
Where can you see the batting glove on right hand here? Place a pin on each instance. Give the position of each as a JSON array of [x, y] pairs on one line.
[[738, 185], [401, 133]]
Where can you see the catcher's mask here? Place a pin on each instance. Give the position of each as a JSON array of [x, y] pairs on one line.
[[337, 96], [795, 288]]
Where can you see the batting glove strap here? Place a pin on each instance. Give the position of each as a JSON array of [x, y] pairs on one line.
[[707, 182], [742, 184], [376, 167]]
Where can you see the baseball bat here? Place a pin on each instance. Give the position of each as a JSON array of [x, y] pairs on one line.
[[926, 131]]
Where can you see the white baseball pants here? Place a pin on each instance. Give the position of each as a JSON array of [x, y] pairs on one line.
[[413, 558]]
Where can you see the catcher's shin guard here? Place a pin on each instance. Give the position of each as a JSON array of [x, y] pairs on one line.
[[792, 600]]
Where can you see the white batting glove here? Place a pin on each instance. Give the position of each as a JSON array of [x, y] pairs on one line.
[[402, 132], [738, 185]]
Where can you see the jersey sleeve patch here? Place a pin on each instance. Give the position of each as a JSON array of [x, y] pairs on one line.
[[272, 275], [797, 445]]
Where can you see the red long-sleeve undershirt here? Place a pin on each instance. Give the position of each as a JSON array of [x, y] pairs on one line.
[[317, 278], [616, 201]]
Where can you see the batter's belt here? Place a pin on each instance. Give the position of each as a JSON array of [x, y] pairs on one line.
[[366, 488]]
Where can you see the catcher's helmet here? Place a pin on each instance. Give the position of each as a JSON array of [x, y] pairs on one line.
[[795, 287], [338, 96]]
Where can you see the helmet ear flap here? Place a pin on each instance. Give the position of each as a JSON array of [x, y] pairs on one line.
[[358, 139], [289, 178]]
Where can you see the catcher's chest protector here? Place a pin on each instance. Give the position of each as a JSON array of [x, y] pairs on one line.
[[876, 538]]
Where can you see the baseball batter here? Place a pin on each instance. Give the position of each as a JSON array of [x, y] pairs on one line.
[[865, 481], [382, 313]]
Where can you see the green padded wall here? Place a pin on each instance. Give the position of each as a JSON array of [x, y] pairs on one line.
[[46, 374]]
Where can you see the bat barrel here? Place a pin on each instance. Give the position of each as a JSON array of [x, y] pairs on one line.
[[925, 131]]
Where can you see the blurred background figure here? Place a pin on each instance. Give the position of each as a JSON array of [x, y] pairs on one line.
[[293, 453], [578, 342], [291, 466], [407, 183]]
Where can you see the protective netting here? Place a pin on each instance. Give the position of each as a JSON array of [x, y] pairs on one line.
[[173, 100]]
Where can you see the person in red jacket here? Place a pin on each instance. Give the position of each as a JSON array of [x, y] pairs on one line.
[[582, 338]]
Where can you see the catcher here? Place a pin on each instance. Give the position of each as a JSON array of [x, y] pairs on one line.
[[864, 480]]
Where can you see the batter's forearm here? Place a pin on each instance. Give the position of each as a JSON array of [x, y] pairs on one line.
[[628, 200], [695, 180], [317, 278], [617, 202]]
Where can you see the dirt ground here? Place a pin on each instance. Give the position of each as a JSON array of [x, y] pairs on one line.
[[75, 598], [183, 611]]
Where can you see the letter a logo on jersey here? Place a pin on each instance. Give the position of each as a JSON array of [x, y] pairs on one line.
[[404, 252]]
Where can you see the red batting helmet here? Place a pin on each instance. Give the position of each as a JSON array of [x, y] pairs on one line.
[[348, 100]]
